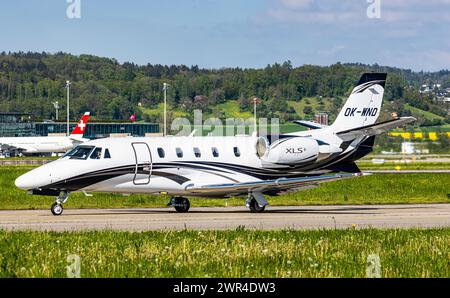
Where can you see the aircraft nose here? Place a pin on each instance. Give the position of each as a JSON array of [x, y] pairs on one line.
[[32, 180], [23, 182]]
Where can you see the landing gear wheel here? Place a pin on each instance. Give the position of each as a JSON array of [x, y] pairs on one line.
[[255, 208], [57, 209], [182, 205]]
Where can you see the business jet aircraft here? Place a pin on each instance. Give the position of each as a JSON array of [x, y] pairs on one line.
[[49, 144], [218, 167]]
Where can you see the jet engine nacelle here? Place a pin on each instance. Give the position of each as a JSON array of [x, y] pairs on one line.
[[291, 151]]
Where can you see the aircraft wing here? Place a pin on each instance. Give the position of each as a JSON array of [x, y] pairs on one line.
[[309, 124], [278, 185], [374, 129]]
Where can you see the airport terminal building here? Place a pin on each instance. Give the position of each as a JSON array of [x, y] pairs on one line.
[[21, 125]]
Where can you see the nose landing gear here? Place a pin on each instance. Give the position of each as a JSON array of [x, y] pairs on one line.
[[57, 208]]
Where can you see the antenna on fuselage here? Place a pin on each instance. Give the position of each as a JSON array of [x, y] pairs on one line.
[[193, 133]]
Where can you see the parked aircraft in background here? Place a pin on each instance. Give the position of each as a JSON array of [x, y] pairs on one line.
[[49, 144], [218, 167]]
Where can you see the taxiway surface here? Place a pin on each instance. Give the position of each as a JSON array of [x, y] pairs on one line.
[[298, 217]]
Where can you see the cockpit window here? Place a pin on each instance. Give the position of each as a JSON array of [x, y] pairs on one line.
[[97, 153], [107, 154], [68, 153], [80, 152]]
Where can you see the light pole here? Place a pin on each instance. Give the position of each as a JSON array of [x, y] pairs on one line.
[[165, 86], [68, 83], [56, 106], [256, 101]]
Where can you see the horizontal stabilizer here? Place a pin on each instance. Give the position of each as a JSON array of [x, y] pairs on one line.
[[374, 129], [309, 124]]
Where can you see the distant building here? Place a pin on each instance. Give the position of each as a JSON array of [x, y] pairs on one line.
[[425, 89], [22, 125], [436, 90], [99, 130], [16, 124], [413, 148], [321, 118]]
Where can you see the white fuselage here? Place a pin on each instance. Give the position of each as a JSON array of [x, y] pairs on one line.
[[50, 144], [165, 165]]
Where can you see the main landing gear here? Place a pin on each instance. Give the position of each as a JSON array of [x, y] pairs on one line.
[[181, 204], [256, 202], [57, 208]]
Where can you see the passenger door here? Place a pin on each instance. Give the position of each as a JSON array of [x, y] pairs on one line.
[[143, 169]]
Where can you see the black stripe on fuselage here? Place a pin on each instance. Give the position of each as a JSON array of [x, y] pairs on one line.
[[88, 179]]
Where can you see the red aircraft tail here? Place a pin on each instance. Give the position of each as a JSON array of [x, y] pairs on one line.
[[81, 126]]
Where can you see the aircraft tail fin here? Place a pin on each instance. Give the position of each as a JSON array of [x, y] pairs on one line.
[[79, 130], [363, 107]]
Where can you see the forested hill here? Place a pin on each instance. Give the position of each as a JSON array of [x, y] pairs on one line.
[[30, 82]]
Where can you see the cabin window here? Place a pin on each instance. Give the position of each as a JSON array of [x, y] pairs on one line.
[[80, 152], [237, 152], [197, 152], [179, 152], [107, 154], [215, 152], [97, 153], [161, 153]]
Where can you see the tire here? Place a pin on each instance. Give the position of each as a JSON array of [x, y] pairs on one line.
[[182, 205], [255, 208], [57, 209]]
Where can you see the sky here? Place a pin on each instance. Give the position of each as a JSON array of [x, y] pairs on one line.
[[411, 34]]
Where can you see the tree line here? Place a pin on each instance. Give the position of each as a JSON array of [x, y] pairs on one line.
[[30, 82]]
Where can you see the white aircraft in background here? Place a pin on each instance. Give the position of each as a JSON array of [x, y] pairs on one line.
[[49, 144], [218, 167]]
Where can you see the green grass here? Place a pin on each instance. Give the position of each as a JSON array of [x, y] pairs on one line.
[[239, 253], [425, 129], [291, 127], [231, 109], [425, 114], [313, 102], [375, 189], [365, 165], [159, 111], [223, 130], [26, 158]]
